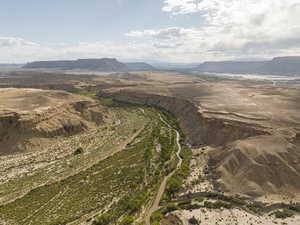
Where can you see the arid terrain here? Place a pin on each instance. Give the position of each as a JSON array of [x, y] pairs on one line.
[[99, 139]]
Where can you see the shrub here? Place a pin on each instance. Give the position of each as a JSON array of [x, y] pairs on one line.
[[156, 217], [186, 202], [255, 207], [193, 221], [78, 151], [199, 199], [170, 208], [282, 214], [295, 208], [217, 205], [174, 185], [127, 220], [104, 219]]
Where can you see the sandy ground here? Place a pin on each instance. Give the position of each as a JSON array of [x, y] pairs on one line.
[[233, 217]]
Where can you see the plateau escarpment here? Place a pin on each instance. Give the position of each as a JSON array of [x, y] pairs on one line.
[[276, 66], [200, 130], [101, 65], [30, 118], [246, 158]]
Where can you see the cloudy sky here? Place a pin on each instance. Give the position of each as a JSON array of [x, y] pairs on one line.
[[160, 30]]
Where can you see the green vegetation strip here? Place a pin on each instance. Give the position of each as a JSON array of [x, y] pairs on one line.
[[117, 187]]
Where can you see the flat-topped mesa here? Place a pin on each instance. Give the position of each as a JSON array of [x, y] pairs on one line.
[[291, 59], [200, 130], [278, 66], [101, 65], [98, 65], [26, 126]]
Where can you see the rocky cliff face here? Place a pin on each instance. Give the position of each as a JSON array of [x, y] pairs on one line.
[[200, 130]]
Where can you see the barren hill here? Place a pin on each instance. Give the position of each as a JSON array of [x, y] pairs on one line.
[[30, 118]]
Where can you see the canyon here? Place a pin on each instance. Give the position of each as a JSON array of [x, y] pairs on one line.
[[244, 134]]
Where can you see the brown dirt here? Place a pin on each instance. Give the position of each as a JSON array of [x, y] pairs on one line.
[[30, 118]]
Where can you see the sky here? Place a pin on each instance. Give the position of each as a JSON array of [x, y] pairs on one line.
[[182, 31]]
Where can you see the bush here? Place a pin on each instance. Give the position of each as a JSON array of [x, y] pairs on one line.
[[255, 207], [78, 151], [217, 205], [104, 219], [193, 221], [283, 214], [295, 208], [156, 217], [186, 202], [174, 185], [133, 204], [170, 208], [199, 199], [127, 220]]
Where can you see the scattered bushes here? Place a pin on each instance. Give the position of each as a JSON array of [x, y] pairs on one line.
[[282, 214], [127, 220], [104, 219], [133, 203], [295, 208], [176, 181], [156, 217], [170, 208], [217, 205], [174, 185], [255, 207]]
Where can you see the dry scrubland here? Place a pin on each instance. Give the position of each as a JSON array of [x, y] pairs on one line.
[[73, 150]]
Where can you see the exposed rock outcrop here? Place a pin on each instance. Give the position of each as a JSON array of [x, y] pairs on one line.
[[200, 130]]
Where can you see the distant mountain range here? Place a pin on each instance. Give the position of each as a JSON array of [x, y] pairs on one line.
[[140, 66], [10, 66], [100, 65], [277, 66]]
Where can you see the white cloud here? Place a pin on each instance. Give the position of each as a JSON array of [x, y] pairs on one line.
[[181, 6], [163, 34], [235, 28], [15, 42], [229, 29]]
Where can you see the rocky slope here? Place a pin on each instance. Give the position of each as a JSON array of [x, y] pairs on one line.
[[259, 165], [246, 158], [200, 130], [30, 118]]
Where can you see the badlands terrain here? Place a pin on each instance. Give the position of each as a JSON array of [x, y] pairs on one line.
[[148, 148]]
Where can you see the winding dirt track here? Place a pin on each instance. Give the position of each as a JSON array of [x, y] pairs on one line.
[[162, 188]]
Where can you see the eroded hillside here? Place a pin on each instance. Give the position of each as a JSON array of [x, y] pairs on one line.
[[31, 119]]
